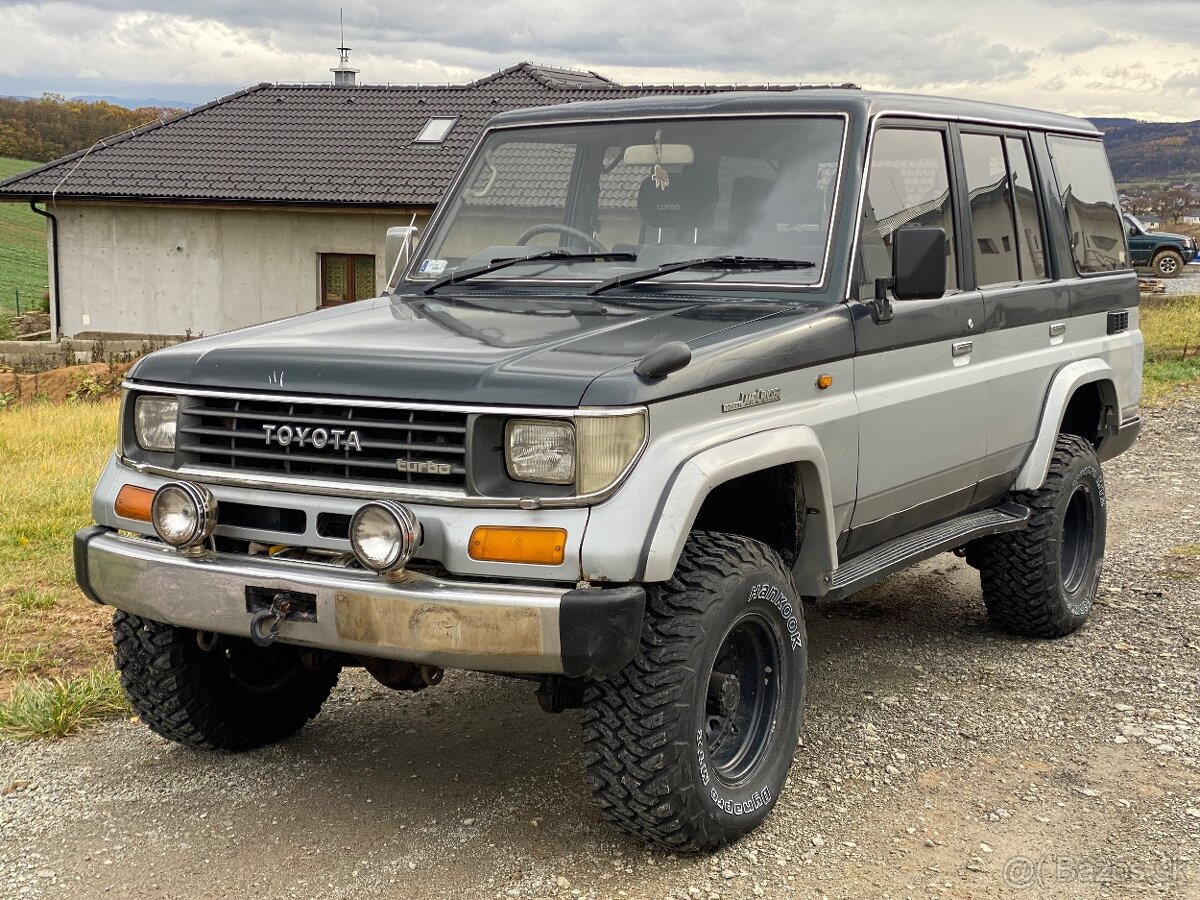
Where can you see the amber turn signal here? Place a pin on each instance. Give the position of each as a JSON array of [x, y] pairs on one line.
[[537, 546], [824, 381], [134, 503]]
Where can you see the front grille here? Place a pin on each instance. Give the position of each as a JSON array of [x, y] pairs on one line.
[[359, 443]]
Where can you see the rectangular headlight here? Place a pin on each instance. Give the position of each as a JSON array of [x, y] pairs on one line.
[[154, 422], [607, 445], [540, 450]]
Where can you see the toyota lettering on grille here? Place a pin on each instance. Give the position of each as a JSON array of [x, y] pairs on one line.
[[317, 438]]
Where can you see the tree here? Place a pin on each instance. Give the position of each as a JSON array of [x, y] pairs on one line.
[[52, 126]]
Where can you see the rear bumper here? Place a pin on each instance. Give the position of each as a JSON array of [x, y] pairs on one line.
[[454, 624]]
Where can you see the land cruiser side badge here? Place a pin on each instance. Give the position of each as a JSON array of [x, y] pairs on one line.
[[754, 398]]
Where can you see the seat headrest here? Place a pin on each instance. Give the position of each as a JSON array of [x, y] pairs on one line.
[[687, 201]]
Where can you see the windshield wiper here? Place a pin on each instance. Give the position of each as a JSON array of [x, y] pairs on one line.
[[552, 255], [741, 263]]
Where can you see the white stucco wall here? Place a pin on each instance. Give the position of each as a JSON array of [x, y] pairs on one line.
[[169, 270]]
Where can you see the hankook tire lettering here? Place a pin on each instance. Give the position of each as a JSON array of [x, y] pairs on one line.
[[779, 600]]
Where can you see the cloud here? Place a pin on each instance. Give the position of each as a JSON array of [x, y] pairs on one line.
[[1016, 51]]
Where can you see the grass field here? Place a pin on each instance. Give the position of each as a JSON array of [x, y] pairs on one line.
[[22, 247], [1171, 328], [50, 456]]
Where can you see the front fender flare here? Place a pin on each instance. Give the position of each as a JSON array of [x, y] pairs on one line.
[[707, 469]]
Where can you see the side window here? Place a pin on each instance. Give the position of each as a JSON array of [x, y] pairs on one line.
[[1030, 234], [995, 240], [1089, 201], [908, 184]]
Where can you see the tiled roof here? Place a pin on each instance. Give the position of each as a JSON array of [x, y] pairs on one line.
[[316, 144]]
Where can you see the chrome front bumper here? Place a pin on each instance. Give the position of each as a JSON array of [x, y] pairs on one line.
[[469, 625]]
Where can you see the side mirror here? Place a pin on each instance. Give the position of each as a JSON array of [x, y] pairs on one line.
[[1133, 231], [918, 269], [397, 247]]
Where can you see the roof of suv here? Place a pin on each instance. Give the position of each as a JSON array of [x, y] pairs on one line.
[[855, 102]]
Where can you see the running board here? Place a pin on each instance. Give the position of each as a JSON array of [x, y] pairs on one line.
[[899, 553]]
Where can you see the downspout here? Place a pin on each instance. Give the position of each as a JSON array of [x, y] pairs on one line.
[[56, 318]]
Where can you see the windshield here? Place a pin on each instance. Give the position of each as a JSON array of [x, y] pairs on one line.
[[1136, 222], [647, 193]]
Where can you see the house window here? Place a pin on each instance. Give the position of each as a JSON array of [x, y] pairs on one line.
[[436, 130], [346, 277]]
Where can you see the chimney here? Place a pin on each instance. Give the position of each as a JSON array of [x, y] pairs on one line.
[[343, 74]]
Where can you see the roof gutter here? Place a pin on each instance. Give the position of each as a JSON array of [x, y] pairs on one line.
[[55, 306]]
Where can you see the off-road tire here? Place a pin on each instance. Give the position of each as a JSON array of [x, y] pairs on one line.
[[1167, 263], [207, 699], [644, 728], [1041, 581]]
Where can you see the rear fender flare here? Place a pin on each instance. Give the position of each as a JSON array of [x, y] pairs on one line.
[[1066, 381]]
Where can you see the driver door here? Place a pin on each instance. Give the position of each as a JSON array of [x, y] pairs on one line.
[[922, 393]]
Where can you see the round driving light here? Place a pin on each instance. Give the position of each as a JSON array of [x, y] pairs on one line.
[[384, 535], [184, 514]]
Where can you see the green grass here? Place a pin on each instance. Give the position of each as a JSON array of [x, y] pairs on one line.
[[54, 707], [1171, 328], [50, 457], [22, 247]]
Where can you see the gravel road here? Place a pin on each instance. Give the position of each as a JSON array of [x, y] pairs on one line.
[[940, 760], [1188, 282]]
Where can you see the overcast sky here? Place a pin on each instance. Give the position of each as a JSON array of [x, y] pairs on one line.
[[1138, 58]]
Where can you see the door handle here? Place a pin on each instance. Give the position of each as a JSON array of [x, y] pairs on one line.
[[1058, 329], [961, 348]]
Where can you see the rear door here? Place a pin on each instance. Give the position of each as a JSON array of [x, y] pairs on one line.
[[922, 397], [1026, 312]]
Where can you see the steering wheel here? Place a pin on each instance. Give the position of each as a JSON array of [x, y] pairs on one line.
[[552, 228]]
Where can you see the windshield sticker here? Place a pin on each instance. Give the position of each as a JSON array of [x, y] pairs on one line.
[[432, 266]]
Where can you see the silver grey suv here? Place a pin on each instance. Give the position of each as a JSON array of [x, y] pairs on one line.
[[659, 374]]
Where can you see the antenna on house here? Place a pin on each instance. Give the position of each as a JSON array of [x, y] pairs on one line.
[[343, 74]]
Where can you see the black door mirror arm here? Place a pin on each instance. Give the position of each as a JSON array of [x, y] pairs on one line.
[[881, 305]]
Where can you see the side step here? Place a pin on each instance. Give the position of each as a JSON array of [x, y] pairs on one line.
[[899, 553]]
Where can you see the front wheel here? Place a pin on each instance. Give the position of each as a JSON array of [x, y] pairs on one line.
[[1041, 581], [215, 693], [689, 745], [1167, 263]]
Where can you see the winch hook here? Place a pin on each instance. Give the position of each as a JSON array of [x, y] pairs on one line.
[[274, 614]]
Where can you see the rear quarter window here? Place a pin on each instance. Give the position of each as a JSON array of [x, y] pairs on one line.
[[1089, 202]]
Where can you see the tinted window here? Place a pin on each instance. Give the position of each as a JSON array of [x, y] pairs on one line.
[[908, 184], [992, 229], [1030, 243], [1090, 203]]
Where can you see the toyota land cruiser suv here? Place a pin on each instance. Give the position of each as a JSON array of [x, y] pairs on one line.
[[659, 374]]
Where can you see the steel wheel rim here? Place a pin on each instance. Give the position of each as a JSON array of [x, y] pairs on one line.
[[740, 715], [1078, 539]]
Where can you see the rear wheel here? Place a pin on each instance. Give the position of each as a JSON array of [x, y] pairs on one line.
[[1167, 263], [1041, 581], [689, 746], [215, 692]]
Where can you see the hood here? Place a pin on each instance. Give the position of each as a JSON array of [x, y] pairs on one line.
[[511, 349], [1183, 238]]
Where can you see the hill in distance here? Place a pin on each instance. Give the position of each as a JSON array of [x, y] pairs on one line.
[[1151, 151]]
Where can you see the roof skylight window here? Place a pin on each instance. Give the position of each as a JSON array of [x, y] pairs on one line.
[[436, 130]]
